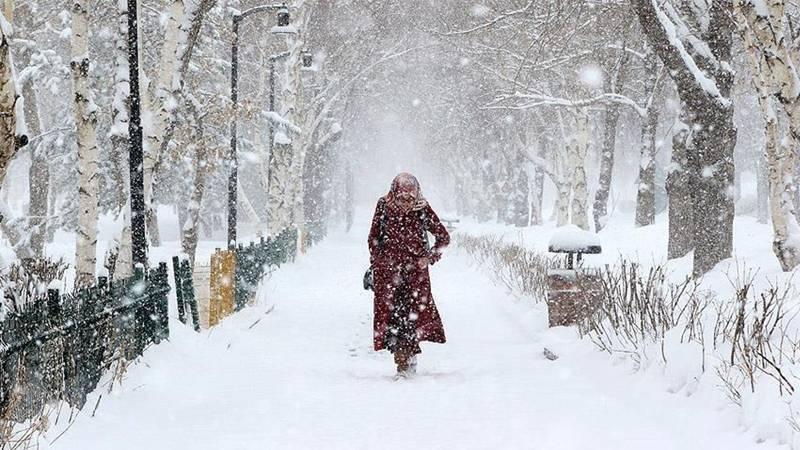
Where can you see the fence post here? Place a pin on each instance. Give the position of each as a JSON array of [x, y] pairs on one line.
[[176, 272], [188, 293], [160, 288], [141, 328]]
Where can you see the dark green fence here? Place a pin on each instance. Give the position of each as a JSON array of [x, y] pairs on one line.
[[255, 259], [59, 346], [184, 292]]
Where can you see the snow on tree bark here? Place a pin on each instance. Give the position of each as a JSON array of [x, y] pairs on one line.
[[699, 64], [85, 121]]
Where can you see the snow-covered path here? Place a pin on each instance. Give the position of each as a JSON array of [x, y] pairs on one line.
[[297, 371]]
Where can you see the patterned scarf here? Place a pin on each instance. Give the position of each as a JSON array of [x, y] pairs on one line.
[[405, 183]]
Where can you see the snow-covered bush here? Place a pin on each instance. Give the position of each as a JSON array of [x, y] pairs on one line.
[[28, 279]]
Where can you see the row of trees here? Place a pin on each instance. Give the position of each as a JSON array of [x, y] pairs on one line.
[[527, 91], [508, 97], [79, 142]]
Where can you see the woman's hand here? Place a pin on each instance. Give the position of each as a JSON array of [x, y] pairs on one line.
[[423, 262], [434, 256]]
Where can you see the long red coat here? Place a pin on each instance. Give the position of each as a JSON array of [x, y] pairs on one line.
[[395, 255]]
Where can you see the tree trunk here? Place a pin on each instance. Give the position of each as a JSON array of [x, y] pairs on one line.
[[646, 191], [118, 134], [600, 208], [38, 175], [645, 194], [774, 75], [191, 227], [577, 161], [762, 190], [285, 170], [160, 107], [8, 107], [706, 95], [680, 195], [296, 112], [85, 122], [537, 192], [349, 197], [613, 84]]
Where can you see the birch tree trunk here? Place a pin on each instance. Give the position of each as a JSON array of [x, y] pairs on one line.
[[577, 160], [159, 105], [285, 205], [192, 225], [8, 102], [120, 257], [296, 113], [85, 122], [118, 134], [768, 52]]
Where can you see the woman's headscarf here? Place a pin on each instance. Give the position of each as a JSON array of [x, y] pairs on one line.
[[405, 183]]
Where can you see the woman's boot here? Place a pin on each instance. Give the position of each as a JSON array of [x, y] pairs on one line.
[[401, 359]]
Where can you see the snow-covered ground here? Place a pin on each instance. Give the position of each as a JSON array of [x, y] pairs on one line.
[[297, 371]]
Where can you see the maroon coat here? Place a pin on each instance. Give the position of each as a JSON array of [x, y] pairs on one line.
[[395, 255]]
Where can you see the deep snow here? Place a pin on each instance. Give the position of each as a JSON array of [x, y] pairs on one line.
[[297, 371]]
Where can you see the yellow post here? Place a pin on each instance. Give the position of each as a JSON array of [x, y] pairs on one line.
[[214, 298], [223, 270], [227, 283]]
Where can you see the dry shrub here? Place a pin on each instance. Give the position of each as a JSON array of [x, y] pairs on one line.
[[521, 270], [637, 307], [27, 280], [754, 341]]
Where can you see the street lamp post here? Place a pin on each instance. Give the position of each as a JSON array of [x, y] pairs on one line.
[[136, 154], [283, 26]]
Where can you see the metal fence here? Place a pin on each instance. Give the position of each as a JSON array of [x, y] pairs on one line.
[[59, 346], [256, 258]]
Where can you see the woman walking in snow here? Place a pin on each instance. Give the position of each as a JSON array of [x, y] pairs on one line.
[[405, 313]]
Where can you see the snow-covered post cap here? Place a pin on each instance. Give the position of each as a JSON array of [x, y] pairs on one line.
[[571, 239]]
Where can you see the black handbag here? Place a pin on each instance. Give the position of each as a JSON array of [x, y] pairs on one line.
[[368, 280]]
